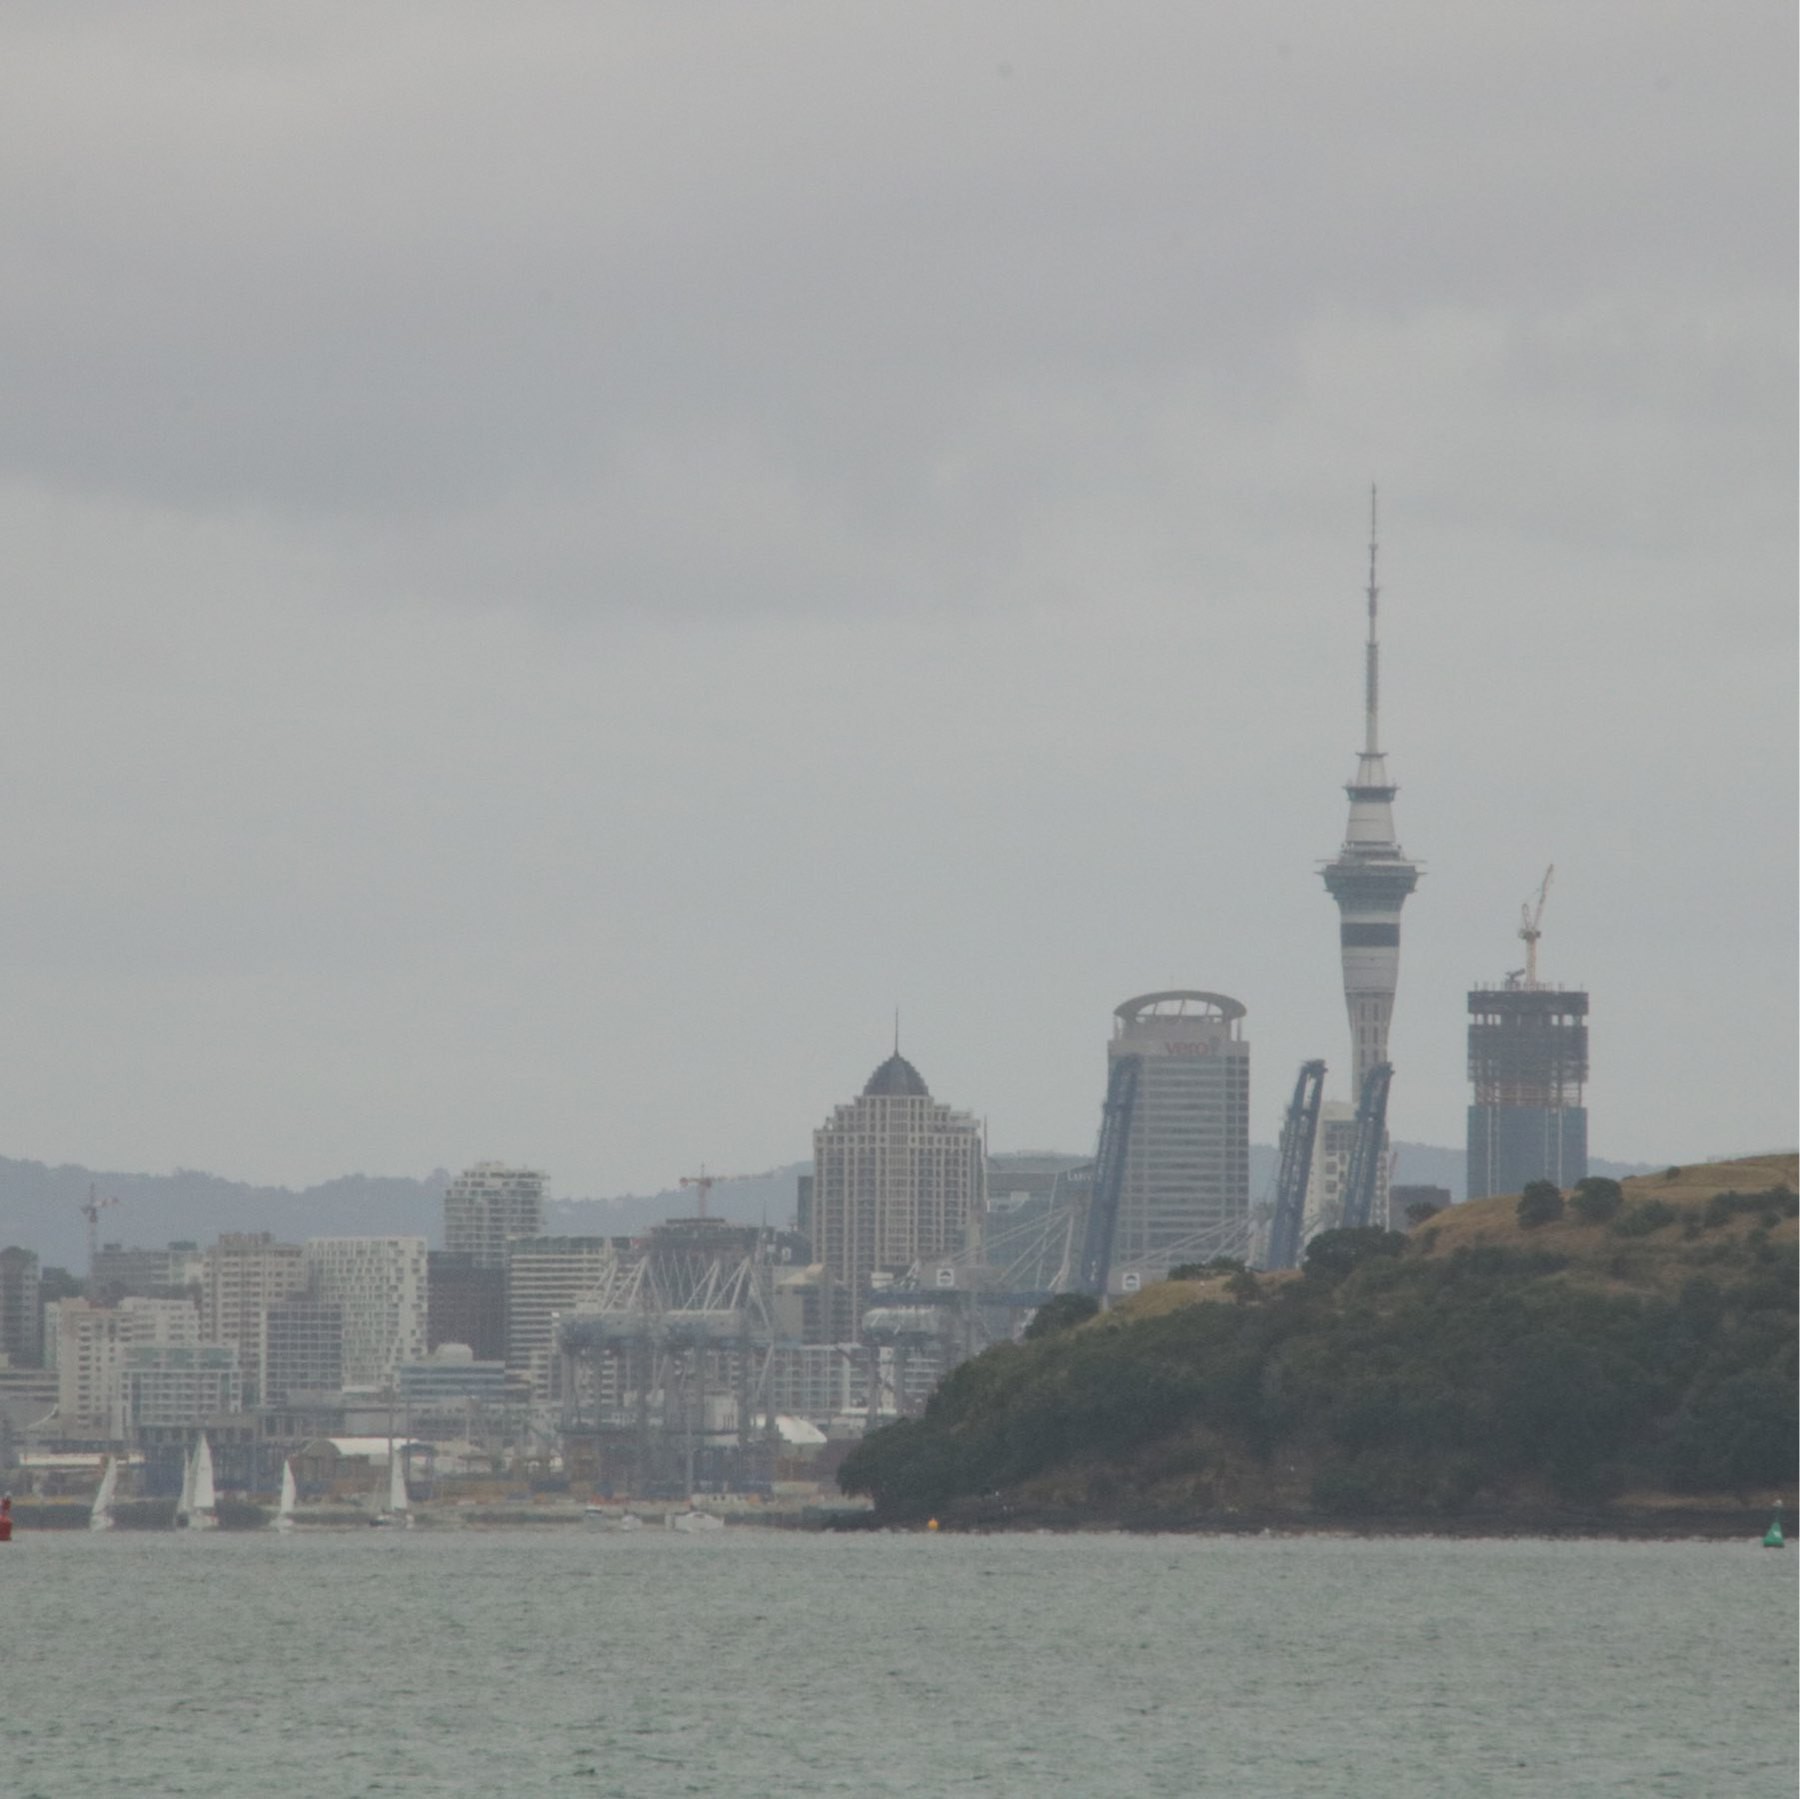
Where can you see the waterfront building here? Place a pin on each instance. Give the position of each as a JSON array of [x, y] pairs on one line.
[[490, 1204], [381, 1284], [21, 1310], [300, 1348], [1184, 1189], [898, 1178], [170, 1386], [242, 1275]]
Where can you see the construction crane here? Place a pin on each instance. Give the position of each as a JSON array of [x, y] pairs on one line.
[[1531, 927], [703, 1183], [1109, 1177], [1368, 1151], [91, 1208], [1298, 1136]]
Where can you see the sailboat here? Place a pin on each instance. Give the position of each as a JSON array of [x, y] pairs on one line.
[[290, 1497], [399, 1505], [198, 1506], [101, 1518]]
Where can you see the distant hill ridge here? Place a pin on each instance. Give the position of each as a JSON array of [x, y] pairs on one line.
[[39, 1204]]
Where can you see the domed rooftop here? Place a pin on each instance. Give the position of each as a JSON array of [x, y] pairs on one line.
[[897, 1075]]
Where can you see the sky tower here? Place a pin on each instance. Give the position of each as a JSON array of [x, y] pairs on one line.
[[1371, 876]]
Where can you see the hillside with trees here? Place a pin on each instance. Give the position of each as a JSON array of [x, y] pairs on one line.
[[1604, 1358]]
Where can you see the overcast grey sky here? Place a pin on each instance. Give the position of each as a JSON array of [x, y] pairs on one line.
[[563, 560]]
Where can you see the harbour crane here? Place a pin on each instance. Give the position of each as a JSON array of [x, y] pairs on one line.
[[1531, 927], [1298, 1137], [91, 1208]]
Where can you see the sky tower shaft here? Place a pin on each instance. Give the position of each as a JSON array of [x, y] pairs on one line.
[[1370, 877]]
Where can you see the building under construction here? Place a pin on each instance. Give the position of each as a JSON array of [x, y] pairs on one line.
[[1528, 1064]]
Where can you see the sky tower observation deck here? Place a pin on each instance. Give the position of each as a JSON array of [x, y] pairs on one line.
[[1370, 877]]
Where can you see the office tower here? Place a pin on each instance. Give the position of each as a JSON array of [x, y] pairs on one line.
[[1371, 876], [487, 1206], [467, 1304], [1528, 1060], [545, 1276], [301, 1348], [381, 1284], [243, 1274], [897, 1178], [21, 1310], [1183, 1185]]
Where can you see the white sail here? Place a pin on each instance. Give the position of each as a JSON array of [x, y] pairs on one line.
[[204, 1511], [101, 1518], [398, 1503], [290, 1496], [184, 1506]]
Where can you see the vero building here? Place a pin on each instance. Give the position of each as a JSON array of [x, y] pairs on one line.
[[898, 1178]]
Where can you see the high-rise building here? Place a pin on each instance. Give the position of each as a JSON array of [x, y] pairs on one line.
[[897, 1178], [487, 1206], [243, 1274], [21, 1310], [301, 1348], [91, 1341], [467, 1304], [1528, 1061], [381, 1284], [545, 1276], [1370, 877], [1184, 1189]]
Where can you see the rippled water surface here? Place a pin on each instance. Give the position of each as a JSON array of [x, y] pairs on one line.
[[527, 1662]]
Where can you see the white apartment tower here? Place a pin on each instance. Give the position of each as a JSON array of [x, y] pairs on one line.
[[490, 1204], [380, 1283], [898, 1178], [545, 1276], [244, 1273]]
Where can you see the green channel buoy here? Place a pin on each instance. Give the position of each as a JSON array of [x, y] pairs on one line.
[[1772, 1537]]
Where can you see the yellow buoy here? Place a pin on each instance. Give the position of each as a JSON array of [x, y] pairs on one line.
[[931, 1524]]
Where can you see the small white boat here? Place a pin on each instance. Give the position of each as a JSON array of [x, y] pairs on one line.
[[198, 1506], [290, 1497], [695, 1522], [399, 1504], [101, 1517], [605, 1518]]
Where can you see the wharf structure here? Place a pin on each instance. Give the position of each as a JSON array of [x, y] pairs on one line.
[[1370, 878]]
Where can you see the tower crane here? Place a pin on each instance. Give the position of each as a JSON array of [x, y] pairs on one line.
[[704, 1183], [1531, 927], [91, 1208]]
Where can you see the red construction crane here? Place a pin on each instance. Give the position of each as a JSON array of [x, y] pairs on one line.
[[704, 1183], [91, 1208]]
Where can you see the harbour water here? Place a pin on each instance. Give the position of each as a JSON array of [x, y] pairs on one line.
[[532, 1662]]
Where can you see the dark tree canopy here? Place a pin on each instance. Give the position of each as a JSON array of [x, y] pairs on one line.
[[1540, 1203]]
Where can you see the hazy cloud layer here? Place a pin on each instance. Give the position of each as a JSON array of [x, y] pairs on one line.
[[565, 559]]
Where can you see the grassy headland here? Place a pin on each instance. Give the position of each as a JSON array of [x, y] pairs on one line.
[[1629, 1358]]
